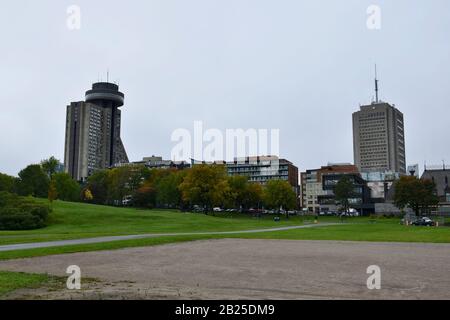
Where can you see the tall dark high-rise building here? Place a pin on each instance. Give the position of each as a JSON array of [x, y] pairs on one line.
[[379, 138], [93, 131]]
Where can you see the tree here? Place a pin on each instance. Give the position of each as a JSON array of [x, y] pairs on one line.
[[98, 186], [344, 191], [50, 166], [414, 193], [119, 183], [87, 195], [33, 181], [243, 194], [111, 186], [66, 188], [8, 183], [253, 196], [205, 185], [167, 192], [52, 193], [237, 191], [145, 196], [137, 176], [279, 194]]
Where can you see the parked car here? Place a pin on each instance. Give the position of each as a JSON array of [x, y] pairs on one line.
[[327, 213], [197, 208], [424, 221], [217, 209], [127, 201], [351, 213]]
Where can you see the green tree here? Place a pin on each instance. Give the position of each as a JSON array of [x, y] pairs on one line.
[[279, 194], [111, 186], [8, 183], [344, 191], [137, 176], [237, 191], [119, 183], [97, 184], [205, 185], [419, 195], [145, 195], [33, 181], [49, 166], [67, 188], [167, 191], [253, 196], [243, 194]]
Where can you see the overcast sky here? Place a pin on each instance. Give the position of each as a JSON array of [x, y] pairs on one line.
[[300, 66]]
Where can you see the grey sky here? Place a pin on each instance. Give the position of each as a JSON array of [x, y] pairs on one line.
[[301, 66]]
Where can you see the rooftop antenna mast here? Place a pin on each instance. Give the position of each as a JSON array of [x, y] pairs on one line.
[[376, 85], [107, 75]]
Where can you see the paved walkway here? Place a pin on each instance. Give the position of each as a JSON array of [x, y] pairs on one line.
[[34, 245]]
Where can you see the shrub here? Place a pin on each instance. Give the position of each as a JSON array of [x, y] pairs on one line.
[[5, 197], [40, 211], [19, 213], [13, 219]]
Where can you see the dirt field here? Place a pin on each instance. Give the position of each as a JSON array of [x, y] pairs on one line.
[[250, 269]]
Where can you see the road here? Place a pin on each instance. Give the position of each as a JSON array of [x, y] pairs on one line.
[[59, 243]]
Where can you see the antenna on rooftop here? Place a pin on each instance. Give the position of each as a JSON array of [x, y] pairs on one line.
[[376, 84]]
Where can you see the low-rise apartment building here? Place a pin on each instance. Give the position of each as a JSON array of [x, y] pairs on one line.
[[264, 168], [360, 199], [312, 184], [156, 162]]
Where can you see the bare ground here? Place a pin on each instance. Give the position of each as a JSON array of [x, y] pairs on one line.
[[249, 269]]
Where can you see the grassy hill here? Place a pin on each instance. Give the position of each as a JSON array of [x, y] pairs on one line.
[[78, 220]]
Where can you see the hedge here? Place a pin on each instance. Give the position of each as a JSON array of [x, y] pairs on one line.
[[20, 213]]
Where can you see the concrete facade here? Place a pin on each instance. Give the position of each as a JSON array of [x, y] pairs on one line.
[[157, 162], [261, 169], [312, 186], [92, 138], [379, 139]]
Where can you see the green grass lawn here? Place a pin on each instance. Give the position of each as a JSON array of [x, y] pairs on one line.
[[383, 230], [78, 220], [10, 281]]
